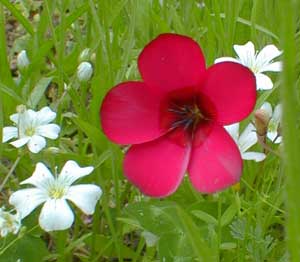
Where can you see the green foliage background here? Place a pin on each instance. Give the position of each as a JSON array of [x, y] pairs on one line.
[[249, 223]]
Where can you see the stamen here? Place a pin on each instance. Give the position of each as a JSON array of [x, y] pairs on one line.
[[186, 114]]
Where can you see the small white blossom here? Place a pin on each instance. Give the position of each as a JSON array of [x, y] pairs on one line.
[[22, 60], [244, 141], [274, 123], [31, 128], [56, 214], [84, 71], [257, 62], [9, 223]]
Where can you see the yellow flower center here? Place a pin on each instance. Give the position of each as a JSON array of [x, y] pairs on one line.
[[57, 192], [9, 220], [30, 131]]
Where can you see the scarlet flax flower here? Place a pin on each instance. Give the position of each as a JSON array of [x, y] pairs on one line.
[[174, 118]]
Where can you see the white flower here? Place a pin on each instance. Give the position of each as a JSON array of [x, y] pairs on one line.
[[258, 62], [274, 123], [84, 71], [56, 214], [31, 128], [244, 141], [9, 223], [22, 60]]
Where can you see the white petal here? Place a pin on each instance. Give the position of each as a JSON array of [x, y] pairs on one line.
[[85, 197], [36, 143], [226, 59], [50, 130], [278, 140], [20, 142], [263, 82], [26, 200], [267, 108], [27, 119], [233, 130], [30, 115], [72, 171], [14, 118], [267, 54], [248, 138], [274, 67], [56, 215], [9, 132], [45, 116], [40, 178], [246, 53], [272, 135], [256, 156], [277, 114]]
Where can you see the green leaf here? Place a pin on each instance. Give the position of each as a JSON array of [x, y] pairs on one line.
[[202, 251], [93, 133], [28, 248], [11, 93], [229, 214], [18, 15], [175, 229], [38, 91], [107, 249], [205, 217]]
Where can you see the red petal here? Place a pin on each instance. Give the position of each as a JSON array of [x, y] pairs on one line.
[[170, 62], [130, 114], [231, 87], [156, 167], [215, 164]]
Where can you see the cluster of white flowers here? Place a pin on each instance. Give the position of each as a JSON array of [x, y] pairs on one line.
[[31, 128], [258, 63]]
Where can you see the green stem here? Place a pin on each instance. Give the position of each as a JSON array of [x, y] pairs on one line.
[[61, 240], [219, 225], [290, 92], [10, 172]]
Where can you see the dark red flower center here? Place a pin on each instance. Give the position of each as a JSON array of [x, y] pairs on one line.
[[184, 111]]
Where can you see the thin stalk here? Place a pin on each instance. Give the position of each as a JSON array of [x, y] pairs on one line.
[[61, 240], [219, 226], [290, 130], [10, 172]]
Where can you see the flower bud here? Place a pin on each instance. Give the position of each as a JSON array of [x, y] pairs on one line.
[[36, 18], [84, 55], [261, 119], [53, 150], [21, 109], [22, 60], [84, 71]]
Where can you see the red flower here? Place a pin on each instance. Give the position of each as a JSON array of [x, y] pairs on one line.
[[175, 118]]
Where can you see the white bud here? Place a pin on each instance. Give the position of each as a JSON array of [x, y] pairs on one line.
[[22, 60], [84, 71], [84, 55]]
